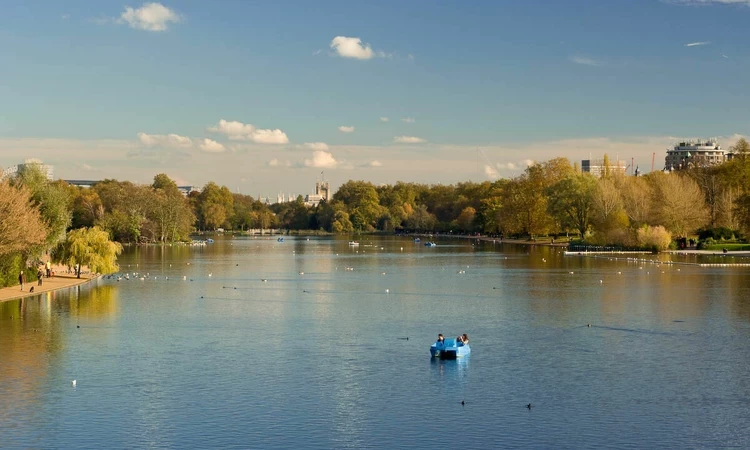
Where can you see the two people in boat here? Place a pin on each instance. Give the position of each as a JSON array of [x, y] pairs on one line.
[[460, 340]]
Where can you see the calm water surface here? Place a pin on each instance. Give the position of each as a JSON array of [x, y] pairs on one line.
[[316, 356]]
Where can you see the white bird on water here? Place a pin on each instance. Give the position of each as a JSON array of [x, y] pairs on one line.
[[74, 383]]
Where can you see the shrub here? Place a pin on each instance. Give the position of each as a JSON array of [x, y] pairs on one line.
[[720, 233], [654, 238]]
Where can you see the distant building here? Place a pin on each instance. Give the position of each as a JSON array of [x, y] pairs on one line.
[[695, 153], [12, 170], [322, 192], [597, 168]]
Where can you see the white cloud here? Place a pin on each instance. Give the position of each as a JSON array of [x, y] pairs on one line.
[[583, 60], [408, 140], [345, 129], [150, 17], [317, 146], [375, 163], [696, 44], [351, 47], [491, 172], [238, 131], [408, 120], [270, 137], [209, 145], [162, 140], [321, 159], [277, 163], [384, 119]]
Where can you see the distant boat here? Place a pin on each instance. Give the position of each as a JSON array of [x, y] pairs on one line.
[[416, 240], [449, 349], [209, 241], [430, 244], [353, 243]]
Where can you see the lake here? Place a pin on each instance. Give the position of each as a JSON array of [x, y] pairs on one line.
[[254, 343]]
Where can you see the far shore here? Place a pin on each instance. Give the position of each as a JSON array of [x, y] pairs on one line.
[[61, 280], [548, 242]]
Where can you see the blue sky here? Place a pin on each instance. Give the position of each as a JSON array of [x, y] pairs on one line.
[[127, 90]]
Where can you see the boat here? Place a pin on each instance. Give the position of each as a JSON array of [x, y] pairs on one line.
[[353, 243], [430, 244], [416, 240], [209, 241], [449, 349]]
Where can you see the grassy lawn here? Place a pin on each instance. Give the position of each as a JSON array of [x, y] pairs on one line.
[[729, 247]]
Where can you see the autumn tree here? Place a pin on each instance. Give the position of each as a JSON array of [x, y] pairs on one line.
[[465, 220], [679, 204], [21, 223]]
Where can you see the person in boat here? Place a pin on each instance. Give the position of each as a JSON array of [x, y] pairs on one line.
[[440, 339], [459, 340], [465, 338]]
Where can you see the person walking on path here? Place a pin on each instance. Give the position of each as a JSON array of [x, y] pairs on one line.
[[39, 276], [49, 269], [20, 279]]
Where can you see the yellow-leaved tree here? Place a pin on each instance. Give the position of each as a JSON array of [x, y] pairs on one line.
[[89, 247]]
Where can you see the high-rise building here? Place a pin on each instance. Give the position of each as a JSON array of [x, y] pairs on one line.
[[697, 152], [12, 170]]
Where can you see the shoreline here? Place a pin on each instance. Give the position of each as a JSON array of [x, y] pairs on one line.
[[56, 283]]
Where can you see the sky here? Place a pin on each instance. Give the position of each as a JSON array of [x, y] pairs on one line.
[[268, 97]]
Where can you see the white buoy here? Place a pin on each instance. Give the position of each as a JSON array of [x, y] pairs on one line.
[[387, 291]]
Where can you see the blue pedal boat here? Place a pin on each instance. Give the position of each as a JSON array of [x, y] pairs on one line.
[[449, 349]]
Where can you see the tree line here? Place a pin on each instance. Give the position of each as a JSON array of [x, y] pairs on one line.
[[551, 197]]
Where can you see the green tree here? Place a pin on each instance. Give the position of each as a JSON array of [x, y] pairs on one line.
[[362, 201], [89, 247], [571, 201], [52, 199], [170, 211], [215, 206]]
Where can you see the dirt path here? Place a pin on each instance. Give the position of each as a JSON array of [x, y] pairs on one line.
[[61, 280]]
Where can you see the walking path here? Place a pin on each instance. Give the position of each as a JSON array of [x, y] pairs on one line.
[[61, 280]]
